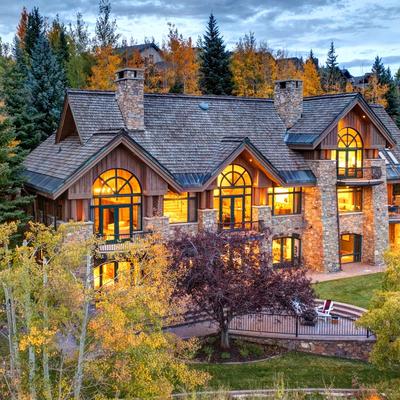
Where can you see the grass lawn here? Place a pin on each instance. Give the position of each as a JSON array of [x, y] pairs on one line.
[[356, 290], [298, 370]]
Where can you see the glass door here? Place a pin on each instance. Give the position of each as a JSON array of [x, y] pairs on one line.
[[350, 248], [232, 212], [115, 222]]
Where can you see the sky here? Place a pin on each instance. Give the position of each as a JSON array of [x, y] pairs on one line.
[[360, 29]]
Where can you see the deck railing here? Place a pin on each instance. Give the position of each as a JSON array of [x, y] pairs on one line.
[[241, 226], [367, 173], [287, 324]]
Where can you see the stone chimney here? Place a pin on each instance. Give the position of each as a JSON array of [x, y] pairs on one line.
[[288, 100], [129, 94]]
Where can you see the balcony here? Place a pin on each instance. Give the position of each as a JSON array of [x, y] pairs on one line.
[[257, 226], [365, 176]]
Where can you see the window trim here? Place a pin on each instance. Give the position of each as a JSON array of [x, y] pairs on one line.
[[295, 262], [296, 190], [191, 198], [348, 189]]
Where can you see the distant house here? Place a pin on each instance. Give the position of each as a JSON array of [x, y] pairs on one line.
[[149, 52], [318, 172]]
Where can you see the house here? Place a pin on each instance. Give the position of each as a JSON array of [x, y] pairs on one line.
[[150, 53], [320, 172]]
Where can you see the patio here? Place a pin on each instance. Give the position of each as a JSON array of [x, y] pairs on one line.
[[348, 270]]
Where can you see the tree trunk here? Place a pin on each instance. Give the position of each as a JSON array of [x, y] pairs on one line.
[[225, 345], [46, 373], [82, 340], [31, 350]]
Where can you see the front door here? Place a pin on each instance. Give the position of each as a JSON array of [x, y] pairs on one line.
[[350, 248], [232, 212]]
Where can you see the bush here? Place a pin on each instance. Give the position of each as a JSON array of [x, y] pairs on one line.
[[225, 355], [248, 349], [208, 351]]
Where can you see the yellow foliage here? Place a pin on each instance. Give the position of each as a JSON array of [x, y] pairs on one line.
[[253, 69], [311, 79], [375, 92], [103, 72]]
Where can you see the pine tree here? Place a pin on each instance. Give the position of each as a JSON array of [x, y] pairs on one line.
[[45, 84], [378, 69], [17, 98], [34, 29], [106, 27], [311, 79], [22, 26], [12, 202], [332, 77], [313, 59], [215, 73]]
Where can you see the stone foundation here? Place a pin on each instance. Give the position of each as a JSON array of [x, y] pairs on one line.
[[191, 228], [156, 224], [208, 219], [352, 349]]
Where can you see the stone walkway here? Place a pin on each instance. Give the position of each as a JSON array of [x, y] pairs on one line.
[[348, 270]]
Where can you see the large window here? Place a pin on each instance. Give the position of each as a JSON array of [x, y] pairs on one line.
[[117, 204], [349, 199], [107, 273], [232, 198], [349, 154], [350, 248], [180, 207], [284, 201], [286, 252]]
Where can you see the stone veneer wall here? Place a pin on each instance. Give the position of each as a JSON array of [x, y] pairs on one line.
[[190, 228], [320, 241], [376, 218], [207, 219]]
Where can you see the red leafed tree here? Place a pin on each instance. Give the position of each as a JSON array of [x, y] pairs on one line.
[[228, 274]]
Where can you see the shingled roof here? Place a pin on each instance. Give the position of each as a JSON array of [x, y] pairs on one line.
[[189, 137]]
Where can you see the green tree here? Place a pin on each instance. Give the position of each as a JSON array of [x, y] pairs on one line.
[[215, 73], [383, 318], [12, 202], [313, 59], [105, 26], [46, 87], [17, 98], [332, 77], [34, 30]]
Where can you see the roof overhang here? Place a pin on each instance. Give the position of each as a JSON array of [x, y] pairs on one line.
[[311, 143]]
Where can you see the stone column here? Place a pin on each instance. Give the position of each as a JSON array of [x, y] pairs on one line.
[[376, 218], [157, 225], [262, 215], [320, 242], [208, 219], [80, 231]]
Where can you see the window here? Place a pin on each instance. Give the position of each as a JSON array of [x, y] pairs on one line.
[[181, 207], [349, 199], [286, 252], [350, 248], [108, 273], [117, 204], [349, 154], [284, 201], [233, 197]]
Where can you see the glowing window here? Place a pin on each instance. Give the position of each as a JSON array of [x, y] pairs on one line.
[[286, 252], [349, 199], [180, 207], [106, 274], [285, 201], [233, 197], [117, 204], [349, 153]]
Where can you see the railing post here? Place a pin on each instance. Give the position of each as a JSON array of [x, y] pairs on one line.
[[297, 326]]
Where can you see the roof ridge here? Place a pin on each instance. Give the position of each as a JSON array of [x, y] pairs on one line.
[[211, 97], [332, 95], [90, 91]]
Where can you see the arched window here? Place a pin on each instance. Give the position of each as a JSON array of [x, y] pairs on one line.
[[117, 204], [349, 153], [233, 197], [286, 252]]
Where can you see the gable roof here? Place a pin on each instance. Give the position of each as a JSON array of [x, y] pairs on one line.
[[187, 139], [321, 113]]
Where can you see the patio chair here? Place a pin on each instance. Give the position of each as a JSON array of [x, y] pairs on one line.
[[325, 310]]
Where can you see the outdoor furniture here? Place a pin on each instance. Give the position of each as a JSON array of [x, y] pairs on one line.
[[325, 310]]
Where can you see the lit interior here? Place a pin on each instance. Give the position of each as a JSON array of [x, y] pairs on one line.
[[116, 204], [285, 250], [106, 274], [284, 200], [349, 199], [350, 248], [179, 207]]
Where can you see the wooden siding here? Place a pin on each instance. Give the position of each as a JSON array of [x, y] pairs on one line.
[[152, 184], [372, 138]]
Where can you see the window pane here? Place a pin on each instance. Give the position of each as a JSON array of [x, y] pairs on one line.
[[349, 199], [276, 251], [108, 274], [176, 207], [96, 277], [124, 223], [286, 249]]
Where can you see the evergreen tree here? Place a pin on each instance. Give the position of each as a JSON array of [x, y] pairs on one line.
[[106, 27], [332, 77], [34, 29], [45, 84], [12, 203], [313, 59], [215, 73], [17, 98], [378, 70]]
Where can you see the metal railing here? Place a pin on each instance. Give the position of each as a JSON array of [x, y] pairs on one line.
[[372, 172], [241, 226], [286, 324]]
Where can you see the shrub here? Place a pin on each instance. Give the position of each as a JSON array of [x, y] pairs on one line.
[[225, 355], [208, 351]]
